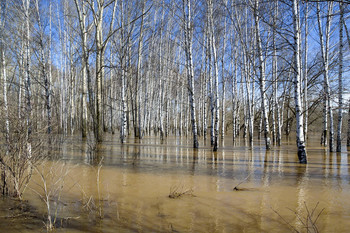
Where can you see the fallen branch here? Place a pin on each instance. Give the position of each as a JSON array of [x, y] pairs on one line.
[[177, 192], [236, 187]]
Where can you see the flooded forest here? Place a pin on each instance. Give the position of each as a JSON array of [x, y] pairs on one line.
[[174, 116]]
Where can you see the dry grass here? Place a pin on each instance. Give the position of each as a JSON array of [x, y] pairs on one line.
[[94, 204]]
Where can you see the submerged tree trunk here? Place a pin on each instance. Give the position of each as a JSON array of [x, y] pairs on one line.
[[123, 106], [234, 90], [216, 75], [325, 58], [297, 82], [210, 81], [262, 78], [188, 30], [161, 81], [277, 136], [205, 92], [85, 67], [123, 123], [139, 76], [249, 107], [340, 78], [26, 5], [100, 45], [348, 133], [223, 80], [99, 76], [306, 102]]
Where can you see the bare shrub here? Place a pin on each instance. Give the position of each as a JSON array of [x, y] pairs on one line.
[[309, 221], [49, 189], [19, 156]]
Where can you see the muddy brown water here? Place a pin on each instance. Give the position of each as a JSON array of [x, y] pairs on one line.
[[135, 180]]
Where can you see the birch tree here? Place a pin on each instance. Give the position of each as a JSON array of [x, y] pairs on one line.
[[324, 42], [86, 79], [216, 75], [277, 115], [210, 79], [101, 42], [262, 78], [297, 83], [139, 75], [45, 71], [188, 32], [306, 104], [157, 63], [26, 10], [348, 133], [123, 42], [223, 79], [340, 77], [3, 73]]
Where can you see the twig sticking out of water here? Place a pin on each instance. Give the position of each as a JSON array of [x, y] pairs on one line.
[[245, 179], [308, 222], [285, 221], [177, 191]]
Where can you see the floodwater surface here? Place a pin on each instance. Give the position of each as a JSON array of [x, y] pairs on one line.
[[152, 186]]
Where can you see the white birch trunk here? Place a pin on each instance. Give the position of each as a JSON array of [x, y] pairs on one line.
[[205, 94], [4, 80], [100, 43], [181, 102], [223, 79], [190, 72], [325, 54], [234, 95], [139, 75], [26, 5], [161, 82], [85, 68], [216, 75], [22, 74], [276, 113], [99, 71], [210, 81], [297, 83], [4, 76], [348, 133], [262, 79], [249, 116], [123, 124], [306, 102], [340, 78]]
